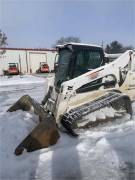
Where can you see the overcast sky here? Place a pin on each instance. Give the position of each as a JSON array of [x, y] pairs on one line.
[[39, 23]]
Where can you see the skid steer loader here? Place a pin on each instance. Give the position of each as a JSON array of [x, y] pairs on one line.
[[84, 83]]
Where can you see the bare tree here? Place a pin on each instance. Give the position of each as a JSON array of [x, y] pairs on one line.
[[64, 40], [3, 41]]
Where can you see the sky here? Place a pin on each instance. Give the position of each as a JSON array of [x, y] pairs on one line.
[[39, 23]]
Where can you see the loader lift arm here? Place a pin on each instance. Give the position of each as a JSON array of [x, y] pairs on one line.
[[112, 68]]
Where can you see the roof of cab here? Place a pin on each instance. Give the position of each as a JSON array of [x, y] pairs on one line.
[[78, 44]]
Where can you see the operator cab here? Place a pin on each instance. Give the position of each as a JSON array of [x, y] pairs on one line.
[[75, 59]]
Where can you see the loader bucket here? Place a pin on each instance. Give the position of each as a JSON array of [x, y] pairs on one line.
[[44, 134]]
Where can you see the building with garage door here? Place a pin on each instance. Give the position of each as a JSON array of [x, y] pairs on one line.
[[27, 60]]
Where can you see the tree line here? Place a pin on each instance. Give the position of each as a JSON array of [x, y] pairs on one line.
[[116, 47]]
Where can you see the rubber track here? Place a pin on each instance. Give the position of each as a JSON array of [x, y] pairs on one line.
[[69, 119]]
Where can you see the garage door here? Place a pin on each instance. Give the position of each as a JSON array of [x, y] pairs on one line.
[[34, 60]]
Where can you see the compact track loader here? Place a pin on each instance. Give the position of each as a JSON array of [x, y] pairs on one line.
[[84, 83], [43, 68], [13, 69]]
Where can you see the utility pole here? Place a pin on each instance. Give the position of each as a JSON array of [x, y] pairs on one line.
[[20, 64], [102, 44]]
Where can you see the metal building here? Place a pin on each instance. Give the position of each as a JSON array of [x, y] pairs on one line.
[[28, 60]]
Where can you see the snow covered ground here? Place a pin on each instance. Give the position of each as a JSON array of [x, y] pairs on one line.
[[103, 153]]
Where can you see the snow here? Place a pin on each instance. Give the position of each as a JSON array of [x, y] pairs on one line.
[[106, 152], [15, 80]]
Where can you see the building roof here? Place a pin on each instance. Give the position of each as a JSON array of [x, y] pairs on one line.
[[28, 49]]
